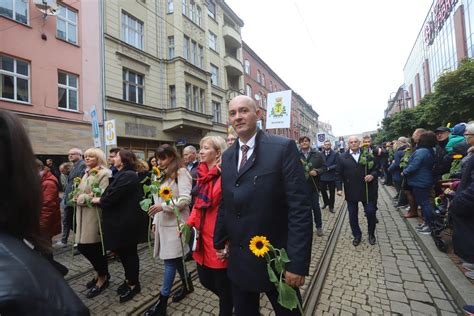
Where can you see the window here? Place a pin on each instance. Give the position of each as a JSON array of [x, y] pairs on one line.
[[212, 41], [214, 75], [172, 96], [185, 6], [189, 96], [14, 79], [15, 9], [67, 91], [195, 99], [259, 76], [211, 9], [132, 30], [200, 56], [216, 112], [66, 24], [186, 48], [170, 47], [203, 98], [132, 86], [198, 15], [262, 80], [192, 11], [264, 102], [271, 86], [247, 67], [170, 6], [248, 90]]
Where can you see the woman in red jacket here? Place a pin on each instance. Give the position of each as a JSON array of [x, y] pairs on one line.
[[212, 271], [50, 217]]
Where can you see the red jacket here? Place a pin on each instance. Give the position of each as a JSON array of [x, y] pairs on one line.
[[50, 217], [206, 254]]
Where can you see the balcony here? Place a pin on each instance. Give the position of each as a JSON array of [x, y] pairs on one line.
[[233, 66], [178, 119], [231, 36]]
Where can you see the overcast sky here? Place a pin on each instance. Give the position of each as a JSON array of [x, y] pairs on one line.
[[344, 57]]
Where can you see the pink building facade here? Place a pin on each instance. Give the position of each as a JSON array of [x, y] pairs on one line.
[[50, 72]]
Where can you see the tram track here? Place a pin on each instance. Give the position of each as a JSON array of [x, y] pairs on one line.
[[313, 292]]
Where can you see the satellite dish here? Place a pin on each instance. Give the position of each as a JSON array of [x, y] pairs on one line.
[[48, 7]]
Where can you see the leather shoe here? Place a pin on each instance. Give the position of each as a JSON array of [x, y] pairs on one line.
[[324, 206], [91, 283], [331, 209], [96, 290], [356, 241], [122, 288], [372, 240], [129, 293]]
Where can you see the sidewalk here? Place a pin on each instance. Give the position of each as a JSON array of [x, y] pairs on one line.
[[448, 269]]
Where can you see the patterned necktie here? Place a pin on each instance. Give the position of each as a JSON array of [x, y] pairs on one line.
[[244, 149]]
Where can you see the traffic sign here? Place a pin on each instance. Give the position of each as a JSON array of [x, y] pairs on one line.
[[110, 134]]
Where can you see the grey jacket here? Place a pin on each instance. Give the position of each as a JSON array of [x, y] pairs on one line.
[[77, 171]]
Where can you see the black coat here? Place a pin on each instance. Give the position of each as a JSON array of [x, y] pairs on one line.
[[29, 285], [268, 197], [352, 174], [317, 162], [331, 164], [462, 214], [124, 221]]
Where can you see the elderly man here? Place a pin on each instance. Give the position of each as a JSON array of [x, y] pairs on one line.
[[78, 169], [328, 178], [264, 193], [360, 185]]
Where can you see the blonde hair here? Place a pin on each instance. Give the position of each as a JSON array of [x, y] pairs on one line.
[[99, 154], [218, 143], [142, 166]]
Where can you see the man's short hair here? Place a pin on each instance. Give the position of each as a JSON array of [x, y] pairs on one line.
[[114, 150], [39, 164], [302, 138], [327, 141], [191, 149], [366, 137], [76, 150]]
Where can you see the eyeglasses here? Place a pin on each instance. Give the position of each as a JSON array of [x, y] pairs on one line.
[[468, 135], [72, 154]]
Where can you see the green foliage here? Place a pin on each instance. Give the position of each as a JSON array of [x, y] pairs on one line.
[[452, 102]]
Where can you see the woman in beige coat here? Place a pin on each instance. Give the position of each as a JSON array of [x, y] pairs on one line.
[[165, 226], [87, 229]]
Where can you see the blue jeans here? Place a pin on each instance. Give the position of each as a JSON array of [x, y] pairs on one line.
[[370, 212], [422, 197], [316, 209], [171, 266]]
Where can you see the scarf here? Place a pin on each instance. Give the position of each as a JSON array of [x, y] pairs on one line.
[[203, 190]]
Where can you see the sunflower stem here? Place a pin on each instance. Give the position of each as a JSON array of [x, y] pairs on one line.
[[100, 230], [178, 220]]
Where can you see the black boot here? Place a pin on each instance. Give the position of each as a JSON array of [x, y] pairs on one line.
[[183, 291], [159, 308]]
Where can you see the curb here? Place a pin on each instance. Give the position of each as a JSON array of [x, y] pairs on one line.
[[455, 281]]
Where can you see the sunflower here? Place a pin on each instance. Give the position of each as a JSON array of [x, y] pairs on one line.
[[259, 245], [457, 156], [166, 193], [156, 171], [94, 171], [77, 180]]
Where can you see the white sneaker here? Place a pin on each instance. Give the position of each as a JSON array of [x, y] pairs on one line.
[[425, 230], [59, 244], [468, 266]]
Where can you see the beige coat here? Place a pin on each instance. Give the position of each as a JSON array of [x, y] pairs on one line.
[[167, 241], [87, 224]]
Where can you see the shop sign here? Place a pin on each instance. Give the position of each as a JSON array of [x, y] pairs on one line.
[[440, 13]]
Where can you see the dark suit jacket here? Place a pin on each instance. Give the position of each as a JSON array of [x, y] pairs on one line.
[[352, 174], [317, 162], [331, 164], [268, 197]]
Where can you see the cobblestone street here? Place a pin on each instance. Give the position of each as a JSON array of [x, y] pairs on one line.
[[394, 276]]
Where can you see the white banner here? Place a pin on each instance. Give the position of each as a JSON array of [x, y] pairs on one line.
[[279, 109], [95, 128], [110, 134], [321, 137]]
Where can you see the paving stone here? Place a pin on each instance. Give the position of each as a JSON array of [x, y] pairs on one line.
[[423, 308], [410, 277], [414, 286], [402, 308], [444, 305], [397, 296], [418, 296]]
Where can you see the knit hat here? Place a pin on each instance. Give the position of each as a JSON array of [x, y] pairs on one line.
[[459, 129]]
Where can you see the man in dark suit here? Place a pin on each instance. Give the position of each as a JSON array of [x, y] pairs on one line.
[[360, 185], [316, 159], [264, 193], [328, 178]]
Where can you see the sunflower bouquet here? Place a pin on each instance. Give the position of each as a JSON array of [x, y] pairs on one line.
[[405, 158], [308, 166], [366, 159], [276, 259], [456, 167], [71, 201], [150, 191], [166, 195]]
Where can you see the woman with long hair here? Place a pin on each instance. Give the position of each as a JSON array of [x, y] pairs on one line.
[[28, 283], [88, 219], [125, 224], [212, 271], [168, 243]]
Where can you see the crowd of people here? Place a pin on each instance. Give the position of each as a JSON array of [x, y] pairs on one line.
[[230, 191]]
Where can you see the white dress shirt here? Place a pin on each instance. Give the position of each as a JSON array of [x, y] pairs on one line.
[[251, 144], [355, 155]]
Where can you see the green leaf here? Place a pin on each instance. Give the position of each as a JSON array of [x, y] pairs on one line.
[[370, 164], [271, 274], [287, 296], [145, 180], [284, 256], [279, 265], [145, 204], [153, 189], [186, 232], [146, 189]]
